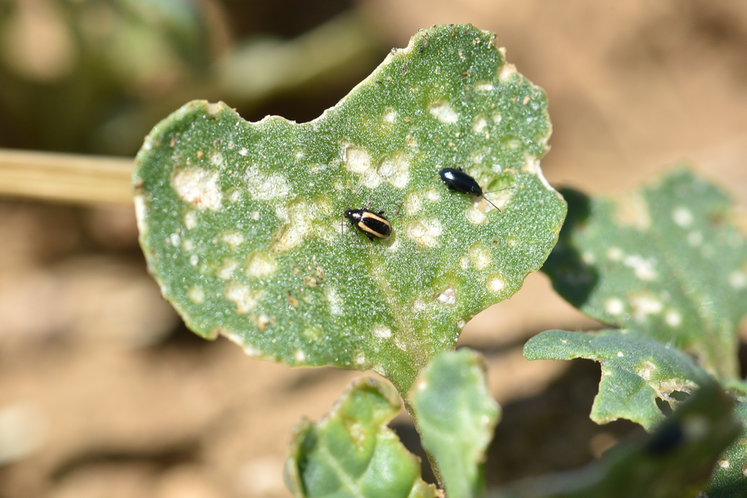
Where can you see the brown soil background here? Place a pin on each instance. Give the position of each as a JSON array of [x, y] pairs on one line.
[[103, 393]]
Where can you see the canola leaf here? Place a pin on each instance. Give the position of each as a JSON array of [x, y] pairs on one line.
[[673, 462], [729, 478], [636, 370], [665, 260], [351, 453], [456, 416], [242, 223]]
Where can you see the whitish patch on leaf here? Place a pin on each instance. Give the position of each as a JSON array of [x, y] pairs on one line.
[[263, 186], [682, 216], [424, 231], [495, 283], [198, 187], [444, 112], [260, 265], [244, 298]]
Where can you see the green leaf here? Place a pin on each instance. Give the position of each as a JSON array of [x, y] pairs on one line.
[[456, 416], [674, 462], [241, 222], [352, 453], [729, 479], [635, 371], [665, 260]]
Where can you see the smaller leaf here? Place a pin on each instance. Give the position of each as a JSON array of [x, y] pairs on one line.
[[664, 259], [674, 462], [352, 452], [635, 371], [456, 416], [729, 480]]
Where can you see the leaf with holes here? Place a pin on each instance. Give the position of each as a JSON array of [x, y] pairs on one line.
[[673, 462], [729, 479], [352, 453], [665, 260], [456, 416], [636, 370], [243, 223]]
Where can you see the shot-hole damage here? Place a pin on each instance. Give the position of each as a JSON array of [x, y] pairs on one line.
[[250, 222]]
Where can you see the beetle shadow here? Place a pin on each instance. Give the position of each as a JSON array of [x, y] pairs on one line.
[[571, 277]]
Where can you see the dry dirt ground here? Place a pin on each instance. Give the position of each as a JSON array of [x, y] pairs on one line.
[[104, 394]]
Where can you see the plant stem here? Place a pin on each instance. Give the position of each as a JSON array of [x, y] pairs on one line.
[[81, 179]]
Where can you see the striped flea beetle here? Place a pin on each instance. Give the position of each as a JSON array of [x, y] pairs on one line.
[[371, 223]]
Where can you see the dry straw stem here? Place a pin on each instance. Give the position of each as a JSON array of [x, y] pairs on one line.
[[80, 179]]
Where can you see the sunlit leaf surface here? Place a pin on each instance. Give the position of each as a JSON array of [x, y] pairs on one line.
[[243, 223]]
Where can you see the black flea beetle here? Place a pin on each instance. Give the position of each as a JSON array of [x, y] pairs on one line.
[[458, 180], [370, 223]]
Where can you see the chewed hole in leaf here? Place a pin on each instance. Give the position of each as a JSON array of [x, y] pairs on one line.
[[642, 379], [679, 395], [664, 406]]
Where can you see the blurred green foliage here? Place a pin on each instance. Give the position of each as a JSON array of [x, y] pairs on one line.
[[95, 75]]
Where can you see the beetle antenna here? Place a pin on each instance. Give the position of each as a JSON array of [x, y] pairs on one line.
[[489, 202], [499, 190], [347, 207], [350, 199], [492, 191]]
